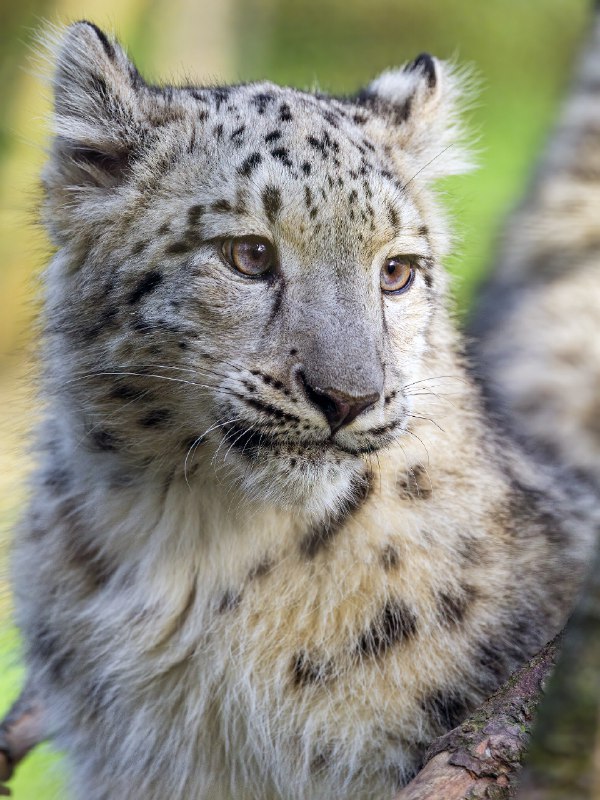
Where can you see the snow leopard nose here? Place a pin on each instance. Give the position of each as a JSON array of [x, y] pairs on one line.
[[338, 407]]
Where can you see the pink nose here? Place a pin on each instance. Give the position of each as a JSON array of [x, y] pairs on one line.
[[339, 408]]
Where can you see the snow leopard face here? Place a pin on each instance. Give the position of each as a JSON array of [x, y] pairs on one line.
[[247, 276]]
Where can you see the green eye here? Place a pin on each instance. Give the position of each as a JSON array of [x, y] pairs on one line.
[[250, 255], [397, 275]]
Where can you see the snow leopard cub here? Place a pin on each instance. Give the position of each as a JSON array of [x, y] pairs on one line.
[[274, 546]]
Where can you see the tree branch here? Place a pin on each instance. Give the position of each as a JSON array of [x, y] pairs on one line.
[[482, 757]]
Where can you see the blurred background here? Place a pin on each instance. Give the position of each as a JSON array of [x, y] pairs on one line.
[[522, 51]]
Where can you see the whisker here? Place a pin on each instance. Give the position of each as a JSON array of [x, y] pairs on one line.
[[427, 419]]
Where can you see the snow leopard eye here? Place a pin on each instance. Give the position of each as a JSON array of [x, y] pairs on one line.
[[250, 255], [397, 274]]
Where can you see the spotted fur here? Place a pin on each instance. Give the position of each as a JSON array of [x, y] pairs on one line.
[[222, 594]]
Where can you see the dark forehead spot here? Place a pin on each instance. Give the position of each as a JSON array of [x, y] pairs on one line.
[[272, 137], [392, 216], [285, 115], [271, 198], [220, 96], [218, 130], [423, 230], [250, 164], [261, 101], [147, 284], [237, 134], [306, 168], [359, 118], [394, 624], [163, 229], [221, 205], [194, 214], [308, 196], [282, 154]]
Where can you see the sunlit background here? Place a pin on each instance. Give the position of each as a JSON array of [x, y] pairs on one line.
[[523, 52]]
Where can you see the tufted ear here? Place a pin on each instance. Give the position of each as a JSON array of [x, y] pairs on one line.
[[421, 104], [97, 121]]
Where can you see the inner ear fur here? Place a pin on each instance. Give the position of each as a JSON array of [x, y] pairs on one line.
[[422, 105], [98, 122]]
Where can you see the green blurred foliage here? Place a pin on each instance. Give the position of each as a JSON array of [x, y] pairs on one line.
[[521, 50]]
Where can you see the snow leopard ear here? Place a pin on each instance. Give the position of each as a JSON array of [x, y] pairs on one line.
[[97, 120], [421, 105]]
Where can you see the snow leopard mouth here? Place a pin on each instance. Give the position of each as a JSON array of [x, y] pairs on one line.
[[253, 443]]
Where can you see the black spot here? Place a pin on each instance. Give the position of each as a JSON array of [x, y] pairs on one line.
[[307, 671], [529, 506], [424, 63], [104, 440], [415, 485], [58, 479], [138, 248], [221, 206], [125, 392], [250, 164], [285, 115], [272, 137], [237, 133], [445, 708], [271, 199], [360, 119], [155, 418], [261, 569], [423, 230], [321, 535], [218, 130], [452, 606], [164, 229], [317, 144], [282, 154], [229, 601], [308, 199], [306, 168], [275, 309], [262, 100], [194, 214], [220, 96], [389, 557], [393, 216], [394, 624], [181, 246], [269, 410], [148, 284]]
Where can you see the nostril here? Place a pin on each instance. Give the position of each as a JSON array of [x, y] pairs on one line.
[[338, 407]]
